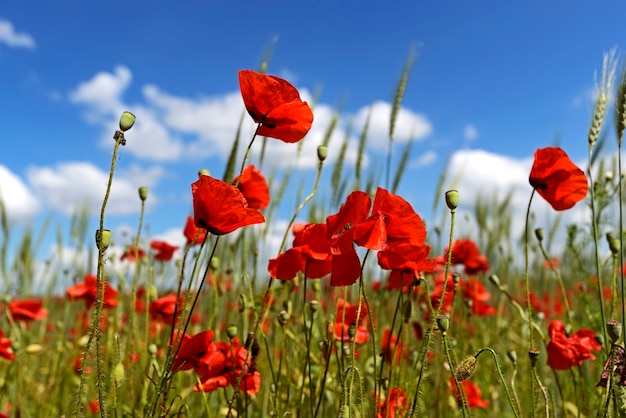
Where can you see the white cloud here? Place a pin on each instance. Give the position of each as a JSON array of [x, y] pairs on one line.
[[18, 200], [70, 186], [424, 160], [470, 132], [409, 125], [171, 127], [10, 37]]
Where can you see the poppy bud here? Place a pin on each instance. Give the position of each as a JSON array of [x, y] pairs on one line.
[[152, 349], [614, 329], [118, 374], [533, 356], [241, 303], [143, 193], [283, 317], [231, 331], [313, 306], [512, 355], [322, 152], [456, 277], [608, 176], [102, 242], [466, 369], [493, 278], [443, 322], [614, 244], [204, 172], [127, 120], [539, 234], [452, 199]]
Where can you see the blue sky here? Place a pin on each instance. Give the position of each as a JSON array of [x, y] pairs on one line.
[[493, 81]]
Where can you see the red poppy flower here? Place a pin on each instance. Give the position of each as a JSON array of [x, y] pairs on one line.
[[310, 254], [164, 250], [5, 347], [27, 310], [254, 188], [557, 179], [346, 316], [391, 347], [131, 253], [465, 252], [395, 404], [276, 105], [566, 351], [88, 290], [220, 208], [163, 308], [406, 262], [192, 350], [472, 394], [194, 235]]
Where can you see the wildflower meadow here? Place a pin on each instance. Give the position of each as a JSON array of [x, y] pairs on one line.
[[366, 310]]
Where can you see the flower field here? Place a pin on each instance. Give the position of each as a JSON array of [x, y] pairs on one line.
[[365, 310]]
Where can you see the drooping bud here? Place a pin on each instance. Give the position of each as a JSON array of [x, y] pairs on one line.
[[539, 234], [143, 193], [118, 374], [512, 355], [127, 120], [452, 199], [466, 369], [493, 278]]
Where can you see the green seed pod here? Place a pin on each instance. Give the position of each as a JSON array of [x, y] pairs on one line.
[[127, 120], [143, 193], [322, 152], [103, 242], [443, 322], [452, 199], [614, 329], [231, 331]]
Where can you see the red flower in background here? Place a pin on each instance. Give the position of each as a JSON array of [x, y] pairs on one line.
[[310, 254], [194, 235], [467, 253], [5, 347], [276, 105], [472, 394], [218, 364], [566, 351], [220, 208], [131, 253], [405, 261], [27, 310], [435, 296], [557, 179], [346, 316], [88, 290], [163, 308], [164, 250], [394, 405], [254, 188], [391, 347]]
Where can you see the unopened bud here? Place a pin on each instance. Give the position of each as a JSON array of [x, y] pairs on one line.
[[512, 355], [103, 240], [614, 329], [443, 322], [539, 234], [143, 193], [231, 331], [118, 374], [466, 369], [322, 152], [452, 199], [127, 120]]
